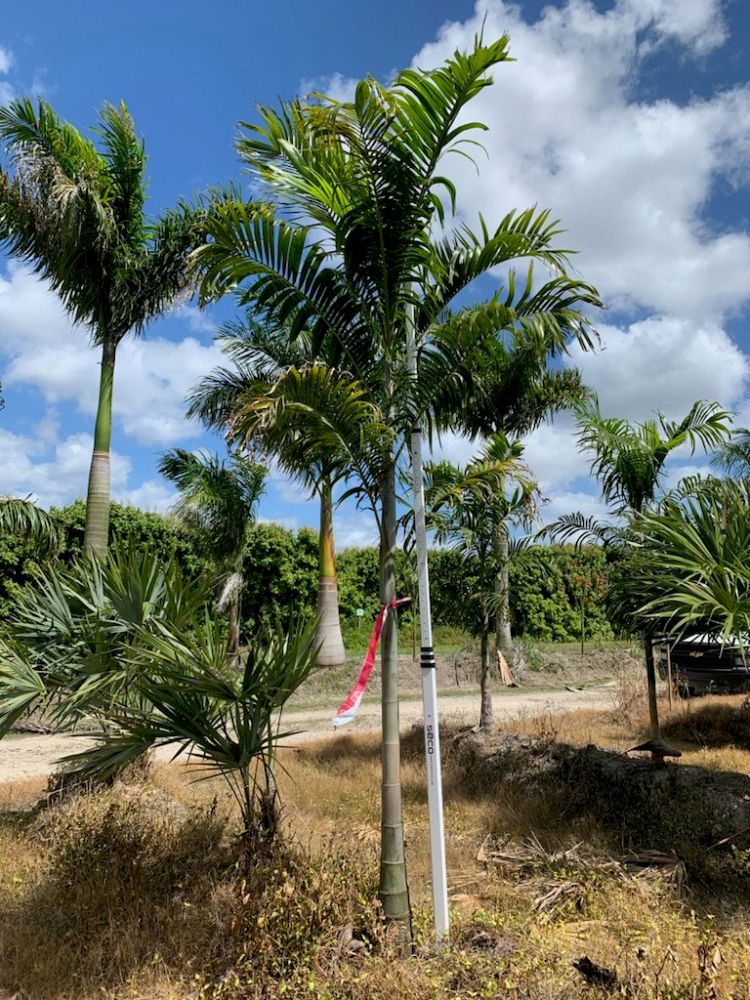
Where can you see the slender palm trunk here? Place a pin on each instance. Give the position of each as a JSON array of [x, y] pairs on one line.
[[393, 892], [234, 626], [653, 709], [503, 635], [332, 652], [96, 534], [486, 715]]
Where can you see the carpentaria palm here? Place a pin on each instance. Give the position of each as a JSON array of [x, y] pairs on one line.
[[629, 460], [74, 209], [218, 504], [258, 357], [470, 509], [359, 253]]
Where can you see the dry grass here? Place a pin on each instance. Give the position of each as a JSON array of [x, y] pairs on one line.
[[136, 892]]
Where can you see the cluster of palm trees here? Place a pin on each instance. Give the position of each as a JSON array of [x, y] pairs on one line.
[[352, 248]]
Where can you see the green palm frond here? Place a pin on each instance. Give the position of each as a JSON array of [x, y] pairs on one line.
[[580, 530], [74, 210], [699, 572], [218, 501], [312, 417], [22, 517], [629, 459], [733, 457]]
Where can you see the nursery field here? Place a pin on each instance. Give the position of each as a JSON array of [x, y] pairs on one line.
[[139, 891]]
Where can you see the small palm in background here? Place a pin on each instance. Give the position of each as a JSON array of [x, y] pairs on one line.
[[468, 508], [629, 462], [218, 504], [259, 357]]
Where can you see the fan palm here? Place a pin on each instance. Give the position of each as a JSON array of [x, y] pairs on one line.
[[70, 639], [73, 208], [351, 258], [258, 357], [218, 503], [226, 723]]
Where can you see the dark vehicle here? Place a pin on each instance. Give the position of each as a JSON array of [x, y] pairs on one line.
[[701, 664]]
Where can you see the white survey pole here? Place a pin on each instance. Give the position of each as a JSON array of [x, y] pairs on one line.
[[429, 674]]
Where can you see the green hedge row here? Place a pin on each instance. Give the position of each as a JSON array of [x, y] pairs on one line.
[[550, 585]]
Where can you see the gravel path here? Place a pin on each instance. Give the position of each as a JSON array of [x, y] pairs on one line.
[[24, 756]]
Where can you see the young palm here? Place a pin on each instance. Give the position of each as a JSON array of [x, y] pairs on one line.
[[352, 258], [468, 509], [219, 504], [733, 458], [629, 460], [258, 357], [73, 208]]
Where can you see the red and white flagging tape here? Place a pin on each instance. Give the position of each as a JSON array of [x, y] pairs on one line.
[[350, 704]]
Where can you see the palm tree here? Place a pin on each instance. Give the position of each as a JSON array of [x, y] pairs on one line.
[[73, 208], [733, 458], [628, 460], [694, 565], [218, 503], [70, 639], [258, 357], [21, 516], [227, 724], [351, 254], [468, 508]]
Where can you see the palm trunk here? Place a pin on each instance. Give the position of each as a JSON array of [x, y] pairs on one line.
[[332, 652], [653, 709], [503, 635], [486, 715], [393, 891], [234, 627], [96, 534]]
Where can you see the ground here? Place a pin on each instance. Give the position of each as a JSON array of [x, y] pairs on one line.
[[135, 893]]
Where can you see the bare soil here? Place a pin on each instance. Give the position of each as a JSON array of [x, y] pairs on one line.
[[34, 754]]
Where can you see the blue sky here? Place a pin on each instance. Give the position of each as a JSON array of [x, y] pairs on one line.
[[630, 120]]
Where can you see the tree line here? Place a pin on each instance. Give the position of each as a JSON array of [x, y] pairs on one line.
[[549, 583]]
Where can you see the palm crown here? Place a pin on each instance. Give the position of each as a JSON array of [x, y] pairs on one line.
[[74, 209]]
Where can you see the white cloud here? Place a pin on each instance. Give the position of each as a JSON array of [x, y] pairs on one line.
[[337, 86], [354, 530], [665, 364], [153, 374], [52, 475], [629, 178], [573, 501], [6, 60], [152, 495], [553, 456]]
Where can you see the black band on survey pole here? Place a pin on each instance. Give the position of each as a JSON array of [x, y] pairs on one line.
[[427, 659]]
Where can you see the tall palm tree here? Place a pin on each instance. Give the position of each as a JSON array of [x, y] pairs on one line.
[[74, 209], [219, 503], [354, 253], [468, 508], [258, 357], [628, 460]]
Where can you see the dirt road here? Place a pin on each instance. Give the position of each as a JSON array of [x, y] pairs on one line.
[[26, 756]]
